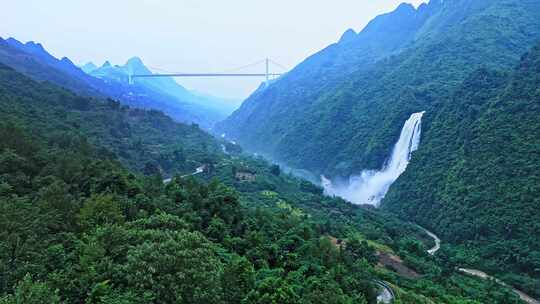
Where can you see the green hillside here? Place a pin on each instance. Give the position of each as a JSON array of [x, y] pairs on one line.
[[476, 179], [78, 226], [142, 140], [350, 123]]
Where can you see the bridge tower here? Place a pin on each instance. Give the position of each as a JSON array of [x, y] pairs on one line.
[[267, 71]]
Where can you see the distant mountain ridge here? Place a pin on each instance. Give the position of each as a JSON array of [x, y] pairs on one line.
[[474, 177], [340, 110], [216, 108], [292, 96], [32, 59]]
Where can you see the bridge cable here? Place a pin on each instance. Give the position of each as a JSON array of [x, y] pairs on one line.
[[162, 70], [244, 67], [279, 65]]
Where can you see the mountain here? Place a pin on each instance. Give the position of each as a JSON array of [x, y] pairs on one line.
[[340, 111], [474, 175], [270, 115], [80, 223], [143, 141], [89, 67], [476, 180], [32, 59], [214, 108]]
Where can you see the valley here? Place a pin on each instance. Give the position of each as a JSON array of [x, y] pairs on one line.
[[398, 165], [459, 183]]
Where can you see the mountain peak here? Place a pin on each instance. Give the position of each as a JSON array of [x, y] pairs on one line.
[[106, 64], [349, 35], [35, 46], [89, 67], [14, 42], [134, 61], [405, 7], [136, 65], [66, 60]]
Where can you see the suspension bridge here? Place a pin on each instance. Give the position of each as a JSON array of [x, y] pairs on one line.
[[231, 73]]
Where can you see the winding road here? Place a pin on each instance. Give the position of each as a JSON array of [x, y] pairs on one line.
[[199, 170], [437, 240], [386, 295], [477, 273]]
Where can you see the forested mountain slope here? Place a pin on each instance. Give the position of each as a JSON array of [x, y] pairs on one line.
[[33, 60], [476, 179], [145, 141], [269, 113], [78, 227], [350, 123]]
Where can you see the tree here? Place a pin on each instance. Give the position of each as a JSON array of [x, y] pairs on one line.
[[99, 210], [273, 290], [22, 240], [275, 170], [175, 267], [30, 292], [238, 279], [357, 248], [324, 291]]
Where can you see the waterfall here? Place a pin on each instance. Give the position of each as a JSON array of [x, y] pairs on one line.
[[371, 186]]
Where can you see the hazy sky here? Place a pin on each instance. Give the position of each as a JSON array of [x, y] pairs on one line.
[[188, 35]]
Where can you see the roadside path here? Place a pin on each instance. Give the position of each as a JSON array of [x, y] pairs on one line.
[[477, 273], [386, 295], [480, 274], [199, 170], [437, 240]]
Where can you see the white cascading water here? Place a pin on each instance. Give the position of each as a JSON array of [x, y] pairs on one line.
[[371, 186]]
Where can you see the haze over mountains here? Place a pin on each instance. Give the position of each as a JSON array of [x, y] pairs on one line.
[[216, 109], [113, 192], [340, 112], [111, 81]]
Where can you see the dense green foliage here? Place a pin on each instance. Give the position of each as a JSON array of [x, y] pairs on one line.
[[327, 117], [145, 141], [89, 231], [78, 227], [266, 120], [475, 180]]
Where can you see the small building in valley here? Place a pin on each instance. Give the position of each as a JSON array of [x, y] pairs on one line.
[[245, 176]]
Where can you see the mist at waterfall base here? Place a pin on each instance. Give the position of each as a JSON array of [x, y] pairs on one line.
[[371, 186]]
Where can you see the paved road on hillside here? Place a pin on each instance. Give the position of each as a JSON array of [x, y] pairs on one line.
[[437, 240], [485, 276], [387, 294], [479, 274], [199, 170]]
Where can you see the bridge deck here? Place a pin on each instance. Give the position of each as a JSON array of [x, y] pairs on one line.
[[205, 75]]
